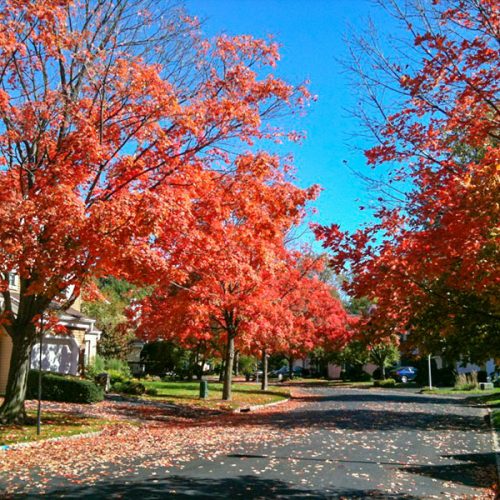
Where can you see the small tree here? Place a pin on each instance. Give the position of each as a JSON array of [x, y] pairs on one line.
[[384, 355]]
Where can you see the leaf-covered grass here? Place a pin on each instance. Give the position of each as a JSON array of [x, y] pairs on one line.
[[53, 425], [187, 393]]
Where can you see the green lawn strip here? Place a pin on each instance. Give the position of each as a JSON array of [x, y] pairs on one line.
[[319, 382], [491, 400], [53, 425], [187, 393], [451, 390]]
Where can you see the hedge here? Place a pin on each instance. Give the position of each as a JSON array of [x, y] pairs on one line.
[[63, 388], [132, 387]]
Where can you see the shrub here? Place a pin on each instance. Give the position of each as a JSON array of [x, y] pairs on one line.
[[118, 366], [152, 391], [355, 373], [64, 388], [466, 381], [118, 370], [117, 377], [132, 387], [444, 377], [388, 382]]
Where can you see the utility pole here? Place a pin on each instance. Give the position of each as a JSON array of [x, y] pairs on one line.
[[39, 409], [430, 370]]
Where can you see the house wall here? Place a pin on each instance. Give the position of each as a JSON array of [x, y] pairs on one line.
[[90, 340], [5, 352], [59, 354]]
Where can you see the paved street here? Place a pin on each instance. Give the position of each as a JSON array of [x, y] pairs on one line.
[[335, 443]]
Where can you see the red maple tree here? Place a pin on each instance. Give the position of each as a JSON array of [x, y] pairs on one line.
[[430, 263], [113, 121]]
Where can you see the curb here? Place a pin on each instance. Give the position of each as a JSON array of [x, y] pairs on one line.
[[27, 444], [247, 409], [496, 443]]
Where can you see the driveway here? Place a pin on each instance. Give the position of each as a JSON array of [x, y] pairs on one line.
[[330, 443]]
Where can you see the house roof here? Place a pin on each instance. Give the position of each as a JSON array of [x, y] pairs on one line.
[[70, 318]]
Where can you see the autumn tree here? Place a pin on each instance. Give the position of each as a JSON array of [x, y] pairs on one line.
[[228, 258], [114, 115], [109, 309], [303, 311], [430, 262]]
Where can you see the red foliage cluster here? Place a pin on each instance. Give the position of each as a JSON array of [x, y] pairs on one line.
[[431, 263]]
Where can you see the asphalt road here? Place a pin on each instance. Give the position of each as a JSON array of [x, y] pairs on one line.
[[340, 443]]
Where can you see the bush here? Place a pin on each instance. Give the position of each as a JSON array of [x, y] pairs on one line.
[[132, 387], [388, 382], [118, 366], [118, 370], [355, 373], [152, 391], [466, 381], [64, 388], [116, 377], [445, 377]]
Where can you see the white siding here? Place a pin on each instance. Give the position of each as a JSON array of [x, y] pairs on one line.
[[59, 354]]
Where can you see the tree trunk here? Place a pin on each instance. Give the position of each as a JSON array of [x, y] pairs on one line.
[[290, 367], [264, 383], [237, 363], [222, 368], [12, 409], [228, 368]]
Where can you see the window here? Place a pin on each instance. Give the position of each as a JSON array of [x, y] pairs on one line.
[[12, 279]]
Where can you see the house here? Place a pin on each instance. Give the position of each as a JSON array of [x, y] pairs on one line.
[[67, 353]]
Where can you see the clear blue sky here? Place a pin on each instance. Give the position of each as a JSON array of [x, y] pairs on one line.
[[311, 34]]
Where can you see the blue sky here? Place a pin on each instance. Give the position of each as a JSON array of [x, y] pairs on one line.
[[311, 34]]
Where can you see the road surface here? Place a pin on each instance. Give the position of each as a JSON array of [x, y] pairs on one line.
[[336, 443]]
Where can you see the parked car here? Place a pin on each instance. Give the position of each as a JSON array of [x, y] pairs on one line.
[[404, 373], [256, 375], [284, 371]]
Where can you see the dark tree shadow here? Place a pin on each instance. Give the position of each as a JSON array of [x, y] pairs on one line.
[[369, 420], [478, 471], [398, 396], [245, 486]]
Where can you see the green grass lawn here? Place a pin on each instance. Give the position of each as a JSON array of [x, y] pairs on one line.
[[452, 390], [245, 394], [53, 425], [321, 382], [493, 401]]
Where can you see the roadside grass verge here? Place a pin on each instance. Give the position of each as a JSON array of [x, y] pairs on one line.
[[452, 390], [321, 382], [187, 393], [491, 400], [53, 425]]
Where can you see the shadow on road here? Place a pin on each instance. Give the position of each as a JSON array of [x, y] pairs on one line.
[[245, 486], [478, 471], [360, 419], [377, 397]]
